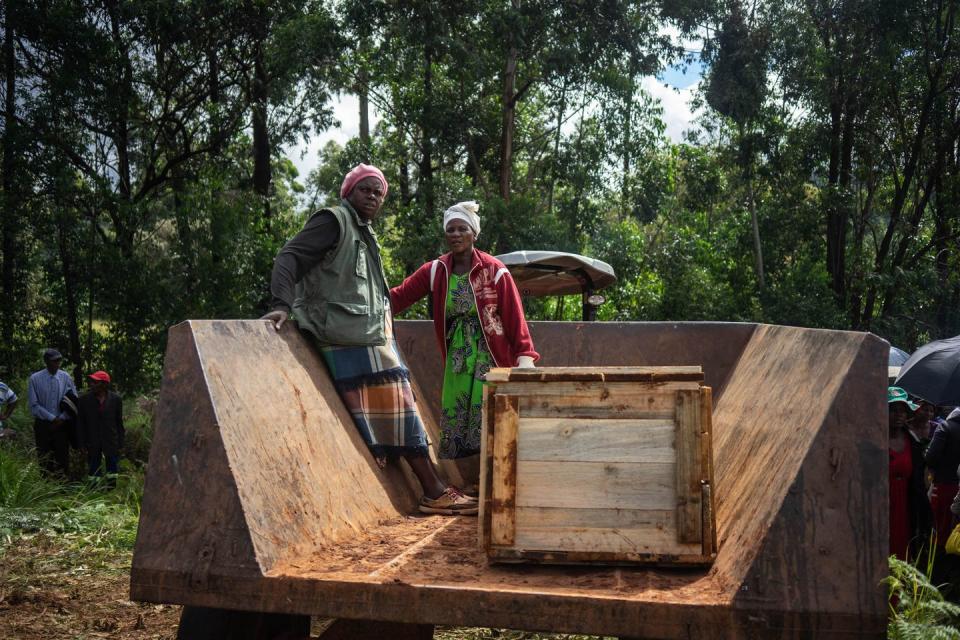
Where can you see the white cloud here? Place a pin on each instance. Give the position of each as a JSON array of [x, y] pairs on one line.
[[678, 114], [346, 110]]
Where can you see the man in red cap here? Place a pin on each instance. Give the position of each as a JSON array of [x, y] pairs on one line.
[[100, 425]]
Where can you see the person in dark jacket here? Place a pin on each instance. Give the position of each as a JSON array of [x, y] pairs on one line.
[[100, 424], [943, 458]]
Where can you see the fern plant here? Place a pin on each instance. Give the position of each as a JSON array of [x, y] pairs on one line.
[[917, 608]]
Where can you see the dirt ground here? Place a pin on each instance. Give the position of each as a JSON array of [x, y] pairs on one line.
[[51, 591], [47, 591]]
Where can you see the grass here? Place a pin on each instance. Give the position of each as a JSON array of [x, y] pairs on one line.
[[81, 514], [918, 610]]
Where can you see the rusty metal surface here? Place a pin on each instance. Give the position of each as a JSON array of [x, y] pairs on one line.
[[800, 492]]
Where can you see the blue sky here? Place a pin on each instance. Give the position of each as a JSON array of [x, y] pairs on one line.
[[681, 79]]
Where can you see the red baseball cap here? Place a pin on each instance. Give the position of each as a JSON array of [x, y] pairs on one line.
[[101, 376]]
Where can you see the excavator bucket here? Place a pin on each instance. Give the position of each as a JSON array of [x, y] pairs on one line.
[[261, 496]]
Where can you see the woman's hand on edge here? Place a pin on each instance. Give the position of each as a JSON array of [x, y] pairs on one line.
[[525, 362]]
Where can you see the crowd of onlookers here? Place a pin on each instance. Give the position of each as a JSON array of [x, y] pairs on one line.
[[91, 422], [924, 468]]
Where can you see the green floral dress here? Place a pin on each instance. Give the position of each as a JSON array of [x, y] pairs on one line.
[[468, 361]]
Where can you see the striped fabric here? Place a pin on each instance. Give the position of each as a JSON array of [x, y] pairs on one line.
[[374, 384]]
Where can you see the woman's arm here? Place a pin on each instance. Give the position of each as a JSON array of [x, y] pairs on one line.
[[514, 322], [410, 290]]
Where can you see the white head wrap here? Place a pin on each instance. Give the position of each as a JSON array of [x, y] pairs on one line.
[[466, 211]]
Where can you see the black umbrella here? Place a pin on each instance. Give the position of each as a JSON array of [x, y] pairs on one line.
[[933, 372]]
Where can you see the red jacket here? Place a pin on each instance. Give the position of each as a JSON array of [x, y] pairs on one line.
[[498, 304]]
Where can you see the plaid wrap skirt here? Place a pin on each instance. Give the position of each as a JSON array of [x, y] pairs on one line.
[[374, 384]]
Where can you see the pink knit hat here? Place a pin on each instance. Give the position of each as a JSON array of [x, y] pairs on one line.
[[357, 174]]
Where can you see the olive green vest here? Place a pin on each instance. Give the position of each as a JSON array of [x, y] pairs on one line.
[[342, 300]]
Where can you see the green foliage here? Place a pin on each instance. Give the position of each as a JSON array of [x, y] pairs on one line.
[[145, 181], [918, 609], [84, 515], [738, 78], [21, 484]]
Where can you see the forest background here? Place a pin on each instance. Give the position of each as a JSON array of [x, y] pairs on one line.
[[144, 178]]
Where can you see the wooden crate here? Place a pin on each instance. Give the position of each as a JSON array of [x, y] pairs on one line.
[[597, 464]]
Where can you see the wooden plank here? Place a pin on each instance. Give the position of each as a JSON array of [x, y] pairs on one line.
[[553, 518], [706, 454], [537, 556], [709, 543], [689, 516], [572, 374], [613, 530], [504, 490], [587, 400], [543, 407], [486, 465], [597, 485], [594, 388], [586, 440]]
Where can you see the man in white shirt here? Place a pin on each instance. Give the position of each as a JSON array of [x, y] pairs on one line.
[[45, 391]]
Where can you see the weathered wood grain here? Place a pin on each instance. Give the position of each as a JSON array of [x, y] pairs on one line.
[[597, 485], [688, 468], [609, 374], [614, 558], [259, 448], [486, 466], [597, 401], [596, 440], [607, 530], [709, 519], [709, 542], [600, 390], [504, 490], [799, 475]]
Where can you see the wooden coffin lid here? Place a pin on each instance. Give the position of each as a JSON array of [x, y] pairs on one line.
[[598, 374]]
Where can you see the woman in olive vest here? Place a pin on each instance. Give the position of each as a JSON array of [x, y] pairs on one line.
[[330, 277]]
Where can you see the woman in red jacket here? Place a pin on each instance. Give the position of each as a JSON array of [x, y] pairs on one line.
[[478, 319]]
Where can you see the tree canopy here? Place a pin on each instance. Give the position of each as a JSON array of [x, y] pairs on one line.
[[144, 178]]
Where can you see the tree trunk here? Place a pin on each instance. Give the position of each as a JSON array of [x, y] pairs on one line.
[[121, 135], [840, 210], [556, 148], [835, 229], [508, 114], [855, 286], [757, 249], [262, 175], [404, 172], [363, 98], [627, 141], [746, 157], [10, 199], [425, 186], [70, 294]]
